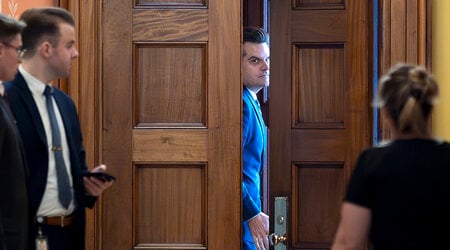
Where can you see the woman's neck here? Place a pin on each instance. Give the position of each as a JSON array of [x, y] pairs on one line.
[[399, 136]]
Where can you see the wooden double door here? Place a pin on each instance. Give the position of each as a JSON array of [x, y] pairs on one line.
[[169, 127]]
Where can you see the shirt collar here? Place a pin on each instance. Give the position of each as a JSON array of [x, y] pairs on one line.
[[252, 93], [36, 86]]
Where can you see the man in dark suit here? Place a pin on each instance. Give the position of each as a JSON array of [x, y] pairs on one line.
[[255, 70], [14, 207], [49, 126]]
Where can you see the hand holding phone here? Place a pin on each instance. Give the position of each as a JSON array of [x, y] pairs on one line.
[[100, 175]]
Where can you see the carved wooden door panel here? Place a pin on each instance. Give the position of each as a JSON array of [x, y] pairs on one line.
[[171, 98], [319, 110]]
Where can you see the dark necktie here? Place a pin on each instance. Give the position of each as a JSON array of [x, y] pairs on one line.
[[65, 192]]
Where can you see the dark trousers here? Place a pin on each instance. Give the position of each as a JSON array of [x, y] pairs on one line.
[[60, 238]]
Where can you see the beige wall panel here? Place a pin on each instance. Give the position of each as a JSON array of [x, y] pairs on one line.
[[170, 85], [318, 85], [170, 25], [180, 190]]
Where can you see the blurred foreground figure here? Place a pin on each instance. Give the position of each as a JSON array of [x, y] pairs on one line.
[[399, 193]]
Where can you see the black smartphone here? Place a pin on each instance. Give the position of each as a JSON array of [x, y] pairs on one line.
[[100, 175]]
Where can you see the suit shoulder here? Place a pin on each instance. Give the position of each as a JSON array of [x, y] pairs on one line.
[[10, 85], [14, 84], [57, 91], [62, 95]]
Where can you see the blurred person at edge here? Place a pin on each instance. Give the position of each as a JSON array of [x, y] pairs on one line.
[[14, 206], [399, 193]]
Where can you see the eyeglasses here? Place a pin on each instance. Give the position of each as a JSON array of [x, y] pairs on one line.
[[20, 51]]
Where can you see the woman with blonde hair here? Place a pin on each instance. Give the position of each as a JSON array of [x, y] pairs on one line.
[[399, 194]]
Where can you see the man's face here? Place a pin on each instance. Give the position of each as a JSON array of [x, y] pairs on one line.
[[64, 52], [256, 65], [10, 58]]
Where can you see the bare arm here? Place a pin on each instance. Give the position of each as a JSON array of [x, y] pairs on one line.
[[353, 229]]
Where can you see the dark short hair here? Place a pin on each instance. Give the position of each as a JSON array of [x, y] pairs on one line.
[[9, 28], [43, 24], [255, 35]]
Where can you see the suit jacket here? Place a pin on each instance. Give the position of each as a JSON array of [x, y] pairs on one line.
[[32, 130], [14, 207], [253, 144]]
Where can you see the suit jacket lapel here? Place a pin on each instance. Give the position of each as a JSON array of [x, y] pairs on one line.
[[257, 110], [262, 126], [33, 111]]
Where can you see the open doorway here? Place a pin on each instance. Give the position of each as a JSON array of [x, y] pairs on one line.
[[318, 101], [256, 14]]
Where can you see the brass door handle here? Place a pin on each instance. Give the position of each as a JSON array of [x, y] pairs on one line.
[[280, 223], [275, 239]]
